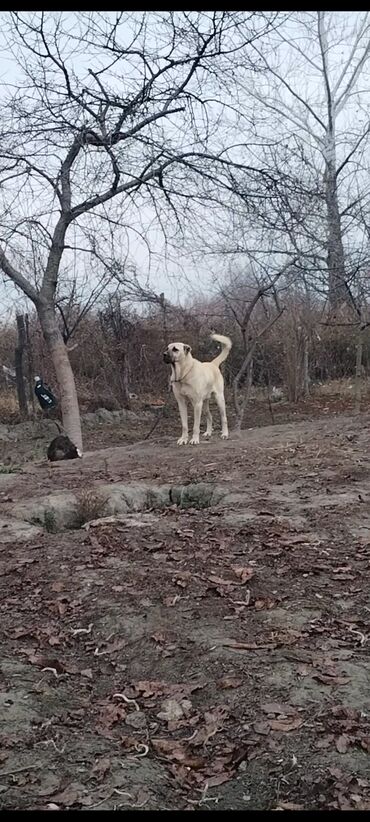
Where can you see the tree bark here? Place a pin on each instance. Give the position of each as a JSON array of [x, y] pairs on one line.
[[306, 360], [338, 293], [124, 380], [21, 390], [64, 374], [358, 372], [240, 403], [30, 366]]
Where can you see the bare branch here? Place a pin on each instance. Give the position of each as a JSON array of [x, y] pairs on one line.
[[17, 278]]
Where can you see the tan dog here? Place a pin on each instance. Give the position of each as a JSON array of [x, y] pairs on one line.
[[196, 381]]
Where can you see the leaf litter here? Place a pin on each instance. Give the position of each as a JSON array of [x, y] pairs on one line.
[[188, 627]]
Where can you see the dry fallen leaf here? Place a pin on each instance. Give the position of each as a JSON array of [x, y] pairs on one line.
[[171, 710], [324, 742], [219, 580], [261, 728], [303, 669], [57, 587], [111, 714], [331, 680], [213, 724], [278, 708], [286, 724], [264, 603], [87, 672], [342, 743], [229, 682], [111, 647], [158, 637], [243, 572], [71, 795], [289, 806], [46, 662], [219, 779], [173, 750], [101, 768], [148, 688], [21, 632], [170, 601], [245, 646]]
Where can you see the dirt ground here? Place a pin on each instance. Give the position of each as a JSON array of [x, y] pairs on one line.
[[194, 659]]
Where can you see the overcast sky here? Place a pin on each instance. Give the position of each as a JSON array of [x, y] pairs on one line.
[[179, 276]]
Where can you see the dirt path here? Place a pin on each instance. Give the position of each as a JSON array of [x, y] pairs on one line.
[[214, 659]]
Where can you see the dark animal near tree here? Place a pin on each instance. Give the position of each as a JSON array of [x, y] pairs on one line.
[[62, 448]]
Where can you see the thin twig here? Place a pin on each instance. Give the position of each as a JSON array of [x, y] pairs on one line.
[[76, 631], [157, 419], [19, 770], [126, 699]]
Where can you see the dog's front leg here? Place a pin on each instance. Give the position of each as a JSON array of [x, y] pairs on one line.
[[184, 421], [196, 427]]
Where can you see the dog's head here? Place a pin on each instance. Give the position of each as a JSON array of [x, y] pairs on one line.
[[176, 352]]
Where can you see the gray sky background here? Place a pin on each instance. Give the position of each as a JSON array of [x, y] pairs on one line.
[[180, 276]]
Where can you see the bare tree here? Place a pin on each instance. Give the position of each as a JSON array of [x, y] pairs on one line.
[[243, 299], [108, 107], [318, 102]]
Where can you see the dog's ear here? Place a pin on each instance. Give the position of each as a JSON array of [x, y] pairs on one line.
[[187, 349]]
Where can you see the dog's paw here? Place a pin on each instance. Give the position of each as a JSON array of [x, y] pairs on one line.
[[207, 435], [182, 441], [225, 436], [194, 441]]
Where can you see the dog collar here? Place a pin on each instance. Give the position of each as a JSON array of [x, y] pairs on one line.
[[183, 377]]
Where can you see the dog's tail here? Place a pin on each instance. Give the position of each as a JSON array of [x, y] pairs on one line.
[[226, 345]]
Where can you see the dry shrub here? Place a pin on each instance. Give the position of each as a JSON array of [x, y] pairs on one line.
[[91, 504], [9, 409]]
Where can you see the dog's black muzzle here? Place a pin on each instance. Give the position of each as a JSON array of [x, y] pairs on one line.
[[167, 357]]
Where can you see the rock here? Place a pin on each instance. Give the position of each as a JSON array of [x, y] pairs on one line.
[[102, 415], [41, 427], [16, 712], [60, 510], [197, 495], [15, 530], [88, 420], [137, 719], [53, 512], [6, 434], [33, 429]]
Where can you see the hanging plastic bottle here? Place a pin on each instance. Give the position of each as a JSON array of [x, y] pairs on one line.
[[44, 395]]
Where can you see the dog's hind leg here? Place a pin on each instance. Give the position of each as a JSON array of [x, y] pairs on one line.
[[196, 427], [208, 431], [183, 409], [220, 399]]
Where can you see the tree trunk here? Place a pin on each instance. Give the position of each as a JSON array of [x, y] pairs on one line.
[[358, 373], [338, 293], [30, 366], [240, 403], [64, 374], [124, 381], [21, 391], [306, 375]]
